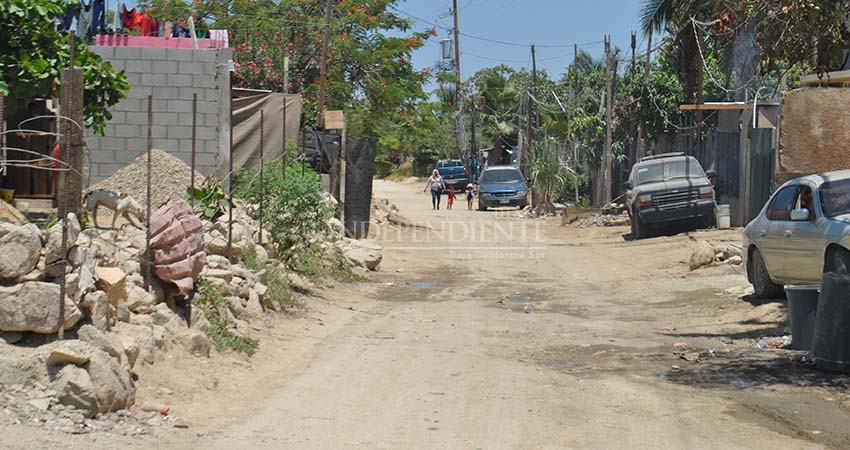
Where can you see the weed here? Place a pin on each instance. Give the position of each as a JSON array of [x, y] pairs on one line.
[[212, 302], [279, 290], [249, 259]]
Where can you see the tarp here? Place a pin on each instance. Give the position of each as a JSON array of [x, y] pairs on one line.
[[360, 168], [247, 105]]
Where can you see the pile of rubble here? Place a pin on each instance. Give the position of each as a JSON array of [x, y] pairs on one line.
[[590, 220], [706, 254], [113, 323]]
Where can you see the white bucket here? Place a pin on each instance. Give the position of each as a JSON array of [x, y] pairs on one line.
[[723, 217]]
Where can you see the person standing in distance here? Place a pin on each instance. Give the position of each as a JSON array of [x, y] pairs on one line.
[[436, 184]]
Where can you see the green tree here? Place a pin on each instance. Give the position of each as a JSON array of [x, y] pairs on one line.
[[32, 54]]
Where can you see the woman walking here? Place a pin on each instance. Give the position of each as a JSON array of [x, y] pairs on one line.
[[436, 184]]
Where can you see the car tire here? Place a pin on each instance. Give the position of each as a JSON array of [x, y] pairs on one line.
[[709, 221], [841, 261], [481, 205], [763, 286], [639, 230]]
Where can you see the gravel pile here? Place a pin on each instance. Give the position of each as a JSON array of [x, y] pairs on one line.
[[170, 177], [599, 220]]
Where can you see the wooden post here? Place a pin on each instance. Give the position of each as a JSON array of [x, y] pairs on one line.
[[148, 253], [604, 195], [342, 168], [262, 181], [283, 161], [323, 66], [194, 142]]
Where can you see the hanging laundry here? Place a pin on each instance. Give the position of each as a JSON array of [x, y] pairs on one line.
[[84, 20], [72, 10], [220, 38], [128, 18], [98, 23]]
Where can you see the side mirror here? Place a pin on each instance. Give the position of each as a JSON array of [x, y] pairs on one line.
[[627, 185], [711, 174], [800, 215]]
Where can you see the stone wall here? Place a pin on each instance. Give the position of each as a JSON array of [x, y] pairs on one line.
[[815, 132], [171, 76]]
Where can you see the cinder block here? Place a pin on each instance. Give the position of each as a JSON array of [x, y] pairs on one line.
[[157, 54], [211, 120], [117, 64], [129, 53], [138, 91], [108, 129], [165, 92], [126, 156], [107, 170], [186, 93], [159, 106], [213, 95], [207, 107], [169, 145], [164, 118], [128, 104], [158, 132], [179, 54], [203, 81], [135, 145], [177, 80], [138, 66], [205, 56], [153, 80], [210, 68], [186, 120], [180, 106], [207, 133], [165, 66], [191, 68], [178, 132], [211, 147], [128, 131], [134, 79], [112, 143], [119, 117], [206, 159], [136, 118], [105, 52]]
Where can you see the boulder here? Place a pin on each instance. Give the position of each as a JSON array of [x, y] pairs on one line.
[[113, 281], [335, 225], [195, 342], [138, 342], [75, 388], [20, 248], [97, 304], [163, 316], [703, 255], [9, 213], [262, 255], [139, 300], [236, 307], [253, 306], [103, 341], [299, 283], [112, 384], [218, 262], [363, 253], [53, 249], [199, 319], [225, 275], [33, 306]]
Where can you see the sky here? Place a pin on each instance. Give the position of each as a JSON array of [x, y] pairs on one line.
[[552, 25]]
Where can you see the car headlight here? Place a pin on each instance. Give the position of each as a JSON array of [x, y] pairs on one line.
[[706, 192], [645, 200]]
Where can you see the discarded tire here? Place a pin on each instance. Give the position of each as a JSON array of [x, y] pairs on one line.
[[831, 343], [802, 312]]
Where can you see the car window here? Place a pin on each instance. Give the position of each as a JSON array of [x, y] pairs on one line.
[[835, 197], [780, 206], [501, 176], [805, 200], [668, 169]]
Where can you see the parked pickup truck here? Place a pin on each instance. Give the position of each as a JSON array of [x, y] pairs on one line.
[[454, 173]]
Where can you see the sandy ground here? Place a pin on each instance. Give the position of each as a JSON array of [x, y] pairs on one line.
[[489, 331]]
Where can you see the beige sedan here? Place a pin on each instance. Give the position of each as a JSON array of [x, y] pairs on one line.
[[802, 232]]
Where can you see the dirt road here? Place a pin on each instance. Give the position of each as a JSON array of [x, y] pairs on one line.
[[490, 331]]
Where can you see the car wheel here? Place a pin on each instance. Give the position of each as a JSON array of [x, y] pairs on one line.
[[481, 205], [762, 284], [709, 221], [639, 230], [841, 263]]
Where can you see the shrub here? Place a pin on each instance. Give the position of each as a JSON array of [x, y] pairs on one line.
[[212, 303]]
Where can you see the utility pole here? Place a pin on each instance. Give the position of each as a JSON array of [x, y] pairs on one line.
[[700, 66], [323, 67], [474, 150], [641, 151], [605, 169], [635, 120], [459, 125], [575, 104]]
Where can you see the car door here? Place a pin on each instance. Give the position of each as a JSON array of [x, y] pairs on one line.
[[805, 242], [771, 240]]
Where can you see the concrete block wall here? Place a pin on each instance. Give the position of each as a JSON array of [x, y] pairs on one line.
[[171, 76]]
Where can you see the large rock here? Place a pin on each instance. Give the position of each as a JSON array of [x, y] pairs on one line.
[[112, 383], [163, 316], [363, 253], [74, 387], [53, 250], [139, 300], [113, 281], [103, 341], [9, 213], [34, 306], [20, 248], [137, 340], [97, 304], [703, 255], [195, 342]]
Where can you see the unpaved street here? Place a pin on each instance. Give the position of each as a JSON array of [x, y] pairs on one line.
[[491, 331]]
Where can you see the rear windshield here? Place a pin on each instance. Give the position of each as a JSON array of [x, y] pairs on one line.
[[442, 164], [835, 197], [501, 176], [668, 169]]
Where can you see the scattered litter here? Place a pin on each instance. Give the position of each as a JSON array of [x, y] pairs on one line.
[[762, 345], [389, 284], [527, 309], [681, 345], [674, 368]]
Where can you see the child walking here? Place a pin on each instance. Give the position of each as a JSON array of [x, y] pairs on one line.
[[450, 193], [469, 194]]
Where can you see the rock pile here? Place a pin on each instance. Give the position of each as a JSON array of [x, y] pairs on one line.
[[707, 254], [590, 220]]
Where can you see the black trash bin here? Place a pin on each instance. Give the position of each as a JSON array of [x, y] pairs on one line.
[[802, 311], [831, 343]]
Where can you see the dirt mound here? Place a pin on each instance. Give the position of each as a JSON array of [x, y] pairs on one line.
[[401, 173], [170, 177]]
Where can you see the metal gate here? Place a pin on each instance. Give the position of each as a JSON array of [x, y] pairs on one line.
[[761, 169]]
